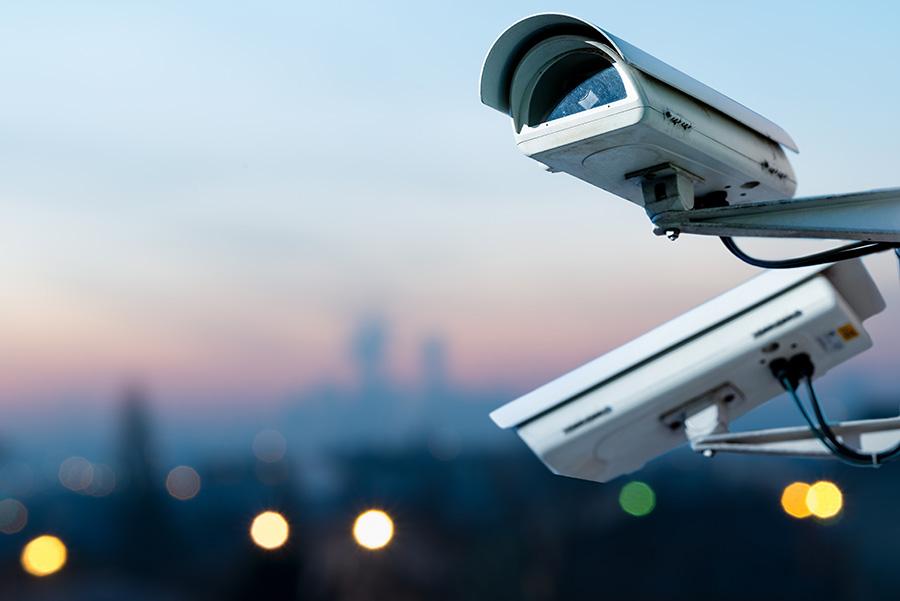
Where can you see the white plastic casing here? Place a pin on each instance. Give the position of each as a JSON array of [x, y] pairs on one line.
[[612, 415], [666, 118]]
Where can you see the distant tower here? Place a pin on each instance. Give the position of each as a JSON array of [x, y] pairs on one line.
[[434, 367], [370, 354], [143, 529], [135, 440]]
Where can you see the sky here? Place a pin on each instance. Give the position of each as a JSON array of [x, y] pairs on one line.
[[211, 197]]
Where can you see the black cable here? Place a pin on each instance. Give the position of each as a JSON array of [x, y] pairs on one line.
[[826, 435], [838, 448], [822, 430], [872, 459], [849, 251], [789, 373], [812, 426]]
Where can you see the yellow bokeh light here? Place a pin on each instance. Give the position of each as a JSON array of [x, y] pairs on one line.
[[373, 529], [44, 555], [793, 500], [824, 499], [269, 530], [183, 483]]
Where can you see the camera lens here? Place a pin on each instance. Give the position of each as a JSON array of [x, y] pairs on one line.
[[602, 88]]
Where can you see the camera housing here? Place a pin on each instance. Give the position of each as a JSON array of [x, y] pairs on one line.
[[587, 103], [688, 378]]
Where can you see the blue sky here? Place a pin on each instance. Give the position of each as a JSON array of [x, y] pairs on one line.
[[210, 196]]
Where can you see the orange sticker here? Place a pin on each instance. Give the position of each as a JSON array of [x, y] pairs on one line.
[[847, 332]]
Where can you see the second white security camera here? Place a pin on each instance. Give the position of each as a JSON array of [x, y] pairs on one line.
[[687, 379], [587, 103]]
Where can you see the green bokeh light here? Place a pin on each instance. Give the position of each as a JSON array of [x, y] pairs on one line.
[[637, 498]]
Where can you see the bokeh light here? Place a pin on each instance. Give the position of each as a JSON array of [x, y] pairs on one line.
[[373, 529], [13, 516], [44, 555], [637, 498], [103, 480], [183, 483], [269, 530], [793, 500], [76, 473], [269, 446], [824, 499]]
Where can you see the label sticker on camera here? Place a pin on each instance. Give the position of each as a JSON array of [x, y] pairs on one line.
[[830, 342], [847, 332]]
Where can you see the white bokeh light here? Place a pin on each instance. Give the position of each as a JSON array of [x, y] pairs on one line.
[[373, 529]]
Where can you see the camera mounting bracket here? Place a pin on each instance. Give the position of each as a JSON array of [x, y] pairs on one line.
[[666, 187], [870, 436], [868, 216]]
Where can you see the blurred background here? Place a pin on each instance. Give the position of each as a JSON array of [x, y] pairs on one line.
[[277, 261]]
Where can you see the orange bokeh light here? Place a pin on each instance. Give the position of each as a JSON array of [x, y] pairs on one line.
[[793, 500]]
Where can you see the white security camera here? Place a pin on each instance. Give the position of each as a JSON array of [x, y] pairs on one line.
[[687, 379], [587, 103]]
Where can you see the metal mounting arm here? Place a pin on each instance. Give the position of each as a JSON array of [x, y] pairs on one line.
[[870, 436], [868, 216]]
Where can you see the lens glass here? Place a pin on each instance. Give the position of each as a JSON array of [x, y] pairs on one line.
[[599, 89]]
